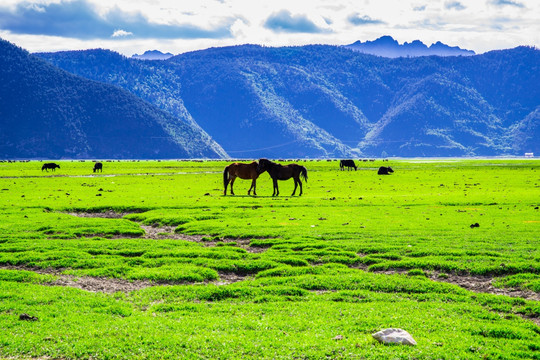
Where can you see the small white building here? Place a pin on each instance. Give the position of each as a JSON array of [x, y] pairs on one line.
[[529, 155]]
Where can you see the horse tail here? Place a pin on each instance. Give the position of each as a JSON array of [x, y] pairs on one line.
[[303, 172], [225, 175]]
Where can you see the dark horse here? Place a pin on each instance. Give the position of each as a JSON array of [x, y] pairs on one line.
[[98, 166], [48, 166], [243, 171], [283, 172]]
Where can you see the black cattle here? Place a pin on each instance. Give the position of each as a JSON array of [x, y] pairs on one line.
[[98, 166], [385, 170], [347, 164], [48, 166]]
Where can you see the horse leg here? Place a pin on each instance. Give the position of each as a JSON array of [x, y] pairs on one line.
[[252, 187], [300, 182], [276, 190], [232, 183], [295, 185], [226, 184]]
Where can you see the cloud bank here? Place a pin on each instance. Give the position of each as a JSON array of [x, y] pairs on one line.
[[79, 19], [358, 20], [284, 21], [133, 26]]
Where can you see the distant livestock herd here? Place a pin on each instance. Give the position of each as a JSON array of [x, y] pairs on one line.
[[53, 166], [251, 171], [383, 170]]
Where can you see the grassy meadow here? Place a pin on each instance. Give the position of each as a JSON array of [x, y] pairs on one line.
[[310, 277]]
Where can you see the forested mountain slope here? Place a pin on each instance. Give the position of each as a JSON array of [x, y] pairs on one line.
[[326, 101], [49, 113]]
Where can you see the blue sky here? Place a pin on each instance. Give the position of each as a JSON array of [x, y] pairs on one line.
[[133, 26]]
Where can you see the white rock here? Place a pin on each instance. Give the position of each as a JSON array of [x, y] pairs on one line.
[[396, 336]]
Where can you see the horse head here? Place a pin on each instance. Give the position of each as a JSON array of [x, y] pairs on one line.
[[263, 165]]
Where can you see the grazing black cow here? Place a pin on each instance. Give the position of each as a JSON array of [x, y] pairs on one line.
[[48, 166], [385, 170], [348, 164], [98, 166]]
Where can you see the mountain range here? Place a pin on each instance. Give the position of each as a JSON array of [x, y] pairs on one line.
[[386, 46], [327, 101], [47, 112]]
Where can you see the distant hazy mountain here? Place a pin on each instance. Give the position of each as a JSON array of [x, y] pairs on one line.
[[328, 101], [388, 47], [152, 55], [46, 112]]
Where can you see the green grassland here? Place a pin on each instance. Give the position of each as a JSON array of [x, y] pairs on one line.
[[355, 254]]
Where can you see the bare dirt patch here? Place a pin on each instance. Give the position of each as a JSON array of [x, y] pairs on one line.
[[167, 232], [161, 232], [92, 284], [156, 232], [106, 285], [475, 283], [229, 278], [106, 214], [479, 283], [112, 285]]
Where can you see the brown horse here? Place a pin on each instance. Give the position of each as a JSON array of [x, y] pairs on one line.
[[243, 171], [283, 172]]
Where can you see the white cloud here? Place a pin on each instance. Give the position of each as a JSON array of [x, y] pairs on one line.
[[121, 33]]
